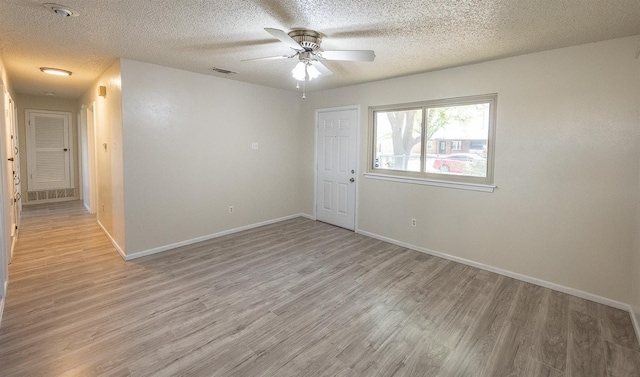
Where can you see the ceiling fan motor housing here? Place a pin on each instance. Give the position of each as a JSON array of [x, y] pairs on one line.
[[310, 40]]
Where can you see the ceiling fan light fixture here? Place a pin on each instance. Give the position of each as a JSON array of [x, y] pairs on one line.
[[299, 71], [55, 71], [312, 72]]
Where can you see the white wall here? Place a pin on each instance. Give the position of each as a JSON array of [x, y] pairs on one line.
[[567, 165], [188, 156], [109, 160]]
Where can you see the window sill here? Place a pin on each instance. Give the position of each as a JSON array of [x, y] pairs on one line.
[[432, 182]]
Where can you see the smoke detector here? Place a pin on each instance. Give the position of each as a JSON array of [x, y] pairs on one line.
[[61, 10]]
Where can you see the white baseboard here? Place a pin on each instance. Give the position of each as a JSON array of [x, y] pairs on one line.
[[307, 216], [514, 275], [113, 242], [1, 309], [160, 249], [634, 312]]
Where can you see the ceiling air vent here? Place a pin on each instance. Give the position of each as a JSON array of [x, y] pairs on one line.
[[222, 70]]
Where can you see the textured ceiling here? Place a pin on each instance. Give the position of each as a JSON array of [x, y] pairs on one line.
[[408, 36]]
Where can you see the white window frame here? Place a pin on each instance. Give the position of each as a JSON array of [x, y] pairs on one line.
[[436, 179]]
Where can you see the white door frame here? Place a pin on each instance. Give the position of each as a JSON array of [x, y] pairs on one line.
[[315, 159], [88, 122], [80, 160]]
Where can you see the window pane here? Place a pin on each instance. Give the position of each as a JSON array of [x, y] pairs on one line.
[[398, 140], [458, 139]]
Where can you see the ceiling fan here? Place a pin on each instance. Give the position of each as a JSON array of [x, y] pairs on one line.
[[306, 44]]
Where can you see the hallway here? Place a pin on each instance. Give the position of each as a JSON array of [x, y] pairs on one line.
[[56, 284]]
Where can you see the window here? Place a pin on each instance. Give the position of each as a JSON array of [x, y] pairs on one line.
[[396, 133], [444, 140]]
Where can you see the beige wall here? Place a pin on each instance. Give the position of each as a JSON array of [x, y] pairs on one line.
[[109, 160], [567, 163], [188, 156], [25, 102]]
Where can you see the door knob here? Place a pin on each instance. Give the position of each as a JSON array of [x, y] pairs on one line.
[[352, 180]]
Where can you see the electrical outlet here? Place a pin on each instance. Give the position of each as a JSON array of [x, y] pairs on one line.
[[254, 145], [230, 209], [413, 222]]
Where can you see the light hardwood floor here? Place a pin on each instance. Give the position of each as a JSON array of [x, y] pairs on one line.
[[297, 298]]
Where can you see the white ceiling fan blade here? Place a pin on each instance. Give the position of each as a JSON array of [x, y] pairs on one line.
[[322, 68], [269, 58], [284, 38], [349, 55]]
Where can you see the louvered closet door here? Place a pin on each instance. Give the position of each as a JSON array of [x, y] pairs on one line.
[[48, 150]]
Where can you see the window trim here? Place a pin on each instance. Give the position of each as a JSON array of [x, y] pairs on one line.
[[492, 99]]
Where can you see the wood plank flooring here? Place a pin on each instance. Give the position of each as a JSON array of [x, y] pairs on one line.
[[297, 298]]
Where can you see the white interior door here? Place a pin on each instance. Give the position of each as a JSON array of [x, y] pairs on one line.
[[18, 156], [14, 170], [48, 148], [5, 197], [336, 155]]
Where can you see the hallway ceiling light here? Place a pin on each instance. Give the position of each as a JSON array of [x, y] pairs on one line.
[[61, 10], [55, 71]]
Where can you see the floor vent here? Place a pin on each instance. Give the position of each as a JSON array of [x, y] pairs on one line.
[[48, 195]]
